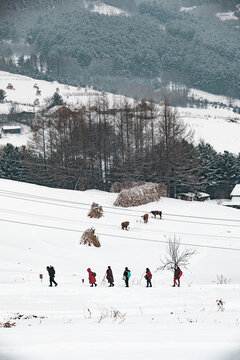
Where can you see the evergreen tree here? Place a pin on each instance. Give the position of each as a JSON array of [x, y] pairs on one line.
[[12, 163], [56, 100], [2, 95]]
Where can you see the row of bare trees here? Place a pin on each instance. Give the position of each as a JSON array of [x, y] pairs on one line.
[[101, 143]]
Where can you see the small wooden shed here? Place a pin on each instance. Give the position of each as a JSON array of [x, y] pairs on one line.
[[11, 129]]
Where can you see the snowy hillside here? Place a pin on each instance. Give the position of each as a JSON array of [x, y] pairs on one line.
[[217, 126], [24, 93], [42, 226]]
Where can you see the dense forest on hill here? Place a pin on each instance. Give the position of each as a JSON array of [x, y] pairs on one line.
[[156, 44]]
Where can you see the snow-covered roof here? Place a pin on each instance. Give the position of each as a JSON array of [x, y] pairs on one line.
[[236, 190], [202, 195], [55, 108], [11, 127], [232, 203]]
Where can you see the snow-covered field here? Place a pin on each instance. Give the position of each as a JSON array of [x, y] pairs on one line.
[[42, 226], [227, 16], [218, 127], [17, 139], [104, 9], [24, 93], [203, 95]]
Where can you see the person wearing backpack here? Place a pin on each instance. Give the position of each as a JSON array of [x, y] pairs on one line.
[[177, 275], [148, 277], [126, 276], [109, 276], [91, 277], [51, 273]]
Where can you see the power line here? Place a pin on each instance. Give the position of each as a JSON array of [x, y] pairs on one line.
[[117, 213], [119, 236], [24, 197], [214, 237]]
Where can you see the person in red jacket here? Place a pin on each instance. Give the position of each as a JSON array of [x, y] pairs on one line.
[[91, 276], [177, 275], [148, 277]]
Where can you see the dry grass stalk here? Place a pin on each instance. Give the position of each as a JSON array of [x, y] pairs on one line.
[[96, 211], [139, 195], [90, 238], [113, 314], [7, 324]]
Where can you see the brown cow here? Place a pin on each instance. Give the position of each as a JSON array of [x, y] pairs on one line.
[[145, 218], [157, 212], [125, 225]]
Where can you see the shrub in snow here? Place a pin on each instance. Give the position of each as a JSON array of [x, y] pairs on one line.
[[222, 280], [90, 238], [175, 255], [140, 195], [96, 211]]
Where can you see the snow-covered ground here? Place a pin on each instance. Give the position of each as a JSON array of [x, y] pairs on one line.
[[218, 127], [203, 95], [42, 226], [104, 9], [188, 8], [227, 16], [17, 139], [24, 93]]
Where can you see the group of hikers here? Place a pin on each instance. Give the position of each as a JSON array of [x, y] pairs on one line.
[[110, 279]]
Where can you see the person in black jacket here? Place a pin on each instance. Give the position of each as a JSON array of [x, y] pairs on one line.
[[126, 276], [51, 273], [109, 276]]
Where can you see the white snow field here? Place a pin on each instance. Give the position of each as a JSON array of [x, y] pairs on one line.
[[42, 226], [24, 93]]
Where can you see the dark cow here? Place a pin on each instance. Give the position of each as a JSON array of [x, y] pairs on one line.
[[145, 218], [156, 212], [125, 225]]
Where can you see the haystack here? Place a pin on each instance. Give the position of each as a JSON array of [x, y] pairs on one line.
[[140, 195], [96, 211], [119, 186], [90, 238]]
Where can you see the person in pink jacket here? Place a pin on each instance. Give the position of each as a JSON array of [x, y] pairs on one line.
[[92, 278]]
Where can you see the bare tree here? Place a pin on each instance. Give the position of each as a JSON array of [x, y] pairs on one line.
[[175, 256]]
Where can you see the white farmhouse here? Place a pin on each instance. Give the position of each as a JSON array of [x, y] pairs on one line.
[[235, 198]]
